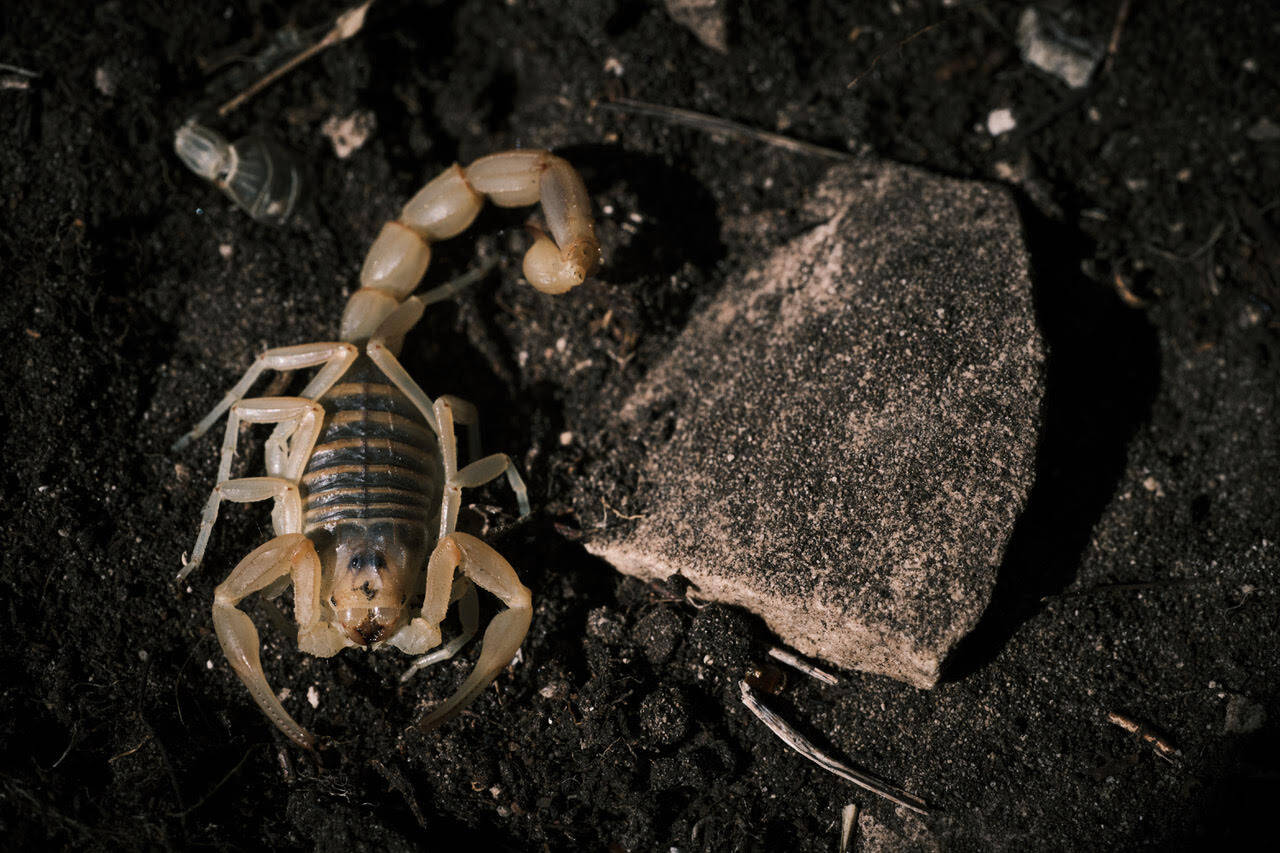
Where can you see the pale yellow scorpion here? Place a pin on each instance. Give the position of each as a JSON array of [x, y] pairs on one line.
[[363, 466]]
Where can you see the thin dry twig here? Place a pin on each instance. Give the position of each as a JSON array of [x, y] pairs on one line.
[[233, 771], [848, 825], [715, 124], [140, 745], [800, 744], [875, 60], [346, 26], [1147, 735], [1113, 46], [804, 666]]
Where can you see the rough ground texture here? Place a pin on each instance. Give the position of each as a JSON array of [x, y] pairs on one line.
[[1141, 577], [842, 440]]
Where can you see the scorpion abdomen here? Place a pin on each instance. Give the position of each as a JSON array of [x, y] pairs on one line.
[[376, 459]]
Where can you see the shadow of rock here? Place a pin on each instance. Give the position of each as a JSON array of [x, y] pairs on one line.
[[1102, 373]]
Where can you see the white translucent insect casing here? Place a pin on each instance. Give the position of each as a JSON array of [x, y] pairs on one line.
[[261, 177], [203, 151]]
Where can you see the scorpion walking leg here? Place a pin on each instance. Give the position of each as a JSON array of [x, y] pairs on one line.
[[266, 565], [391, 367], [286, 516], [336, 357], [476, 474], [465, 413], [285, 464], [481, 471], [488, 570], [294, 415]]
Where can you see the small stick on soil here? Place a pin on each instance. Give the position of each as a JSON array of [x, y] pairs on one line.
[[1157, 742], [715, 124], [804, 666], [797, 741], [1113, 46], [347, 25], [17, 69], [848, 826], [875, 60]]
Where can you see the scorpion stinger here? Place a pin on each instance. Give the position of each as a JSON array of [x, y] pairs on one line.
[[363, 467]]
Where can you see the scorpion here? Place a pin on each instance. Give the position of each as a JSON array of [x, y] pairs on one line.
[[362, 465]]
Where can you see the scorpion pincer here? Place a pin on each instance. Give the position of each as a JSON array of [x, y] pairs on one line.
[[362, 465]]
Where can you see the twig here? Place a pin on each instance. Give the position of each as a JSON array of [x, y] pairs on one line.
[[1113, 46], [1162, 746], [804, 666], [1126, 294], [1214, 236], [217, 787], [715, 124], [347, 25], [396, 781], [797, 741], [16, 69], [875, 60], [609, 508], [140, 745], [848, 825]]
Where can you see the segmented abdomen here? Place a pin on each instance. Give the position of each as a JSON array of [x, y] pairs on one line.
[[376, 460]]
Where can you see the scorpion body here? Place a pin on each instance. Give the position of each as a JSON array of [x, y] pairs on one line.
[[362, 465]]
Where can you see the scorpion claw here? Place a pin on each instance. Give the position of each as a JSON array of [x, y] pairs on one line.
[[490, 571]]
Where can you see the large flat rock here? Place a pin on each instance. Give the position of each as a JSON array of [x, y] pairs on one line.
[[842, 441]]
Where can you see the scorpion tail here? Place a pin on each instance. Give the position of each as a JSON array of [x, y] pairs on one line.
[[447, 206]]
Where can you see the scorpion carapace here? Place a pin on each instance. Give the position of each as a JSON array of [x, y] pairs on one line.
[[362, 465]]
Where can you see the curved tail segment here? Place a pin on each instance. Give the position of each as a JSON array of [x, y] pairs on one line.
[[448, 204]]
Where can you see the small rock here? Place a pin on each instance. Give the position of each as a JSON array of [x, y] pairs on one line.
[[104, 81], [842, 440], [1001, 121], [1263, 130], [1243, 715], [1045, 45], [706, 19], [349, 133]]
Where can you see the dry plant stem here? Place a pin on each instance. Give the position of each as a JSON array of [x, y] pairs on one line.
[[347, 25], [804, 666], [848, 824], [796, 741], [1113, 47], [715, 124], [1162, 747]]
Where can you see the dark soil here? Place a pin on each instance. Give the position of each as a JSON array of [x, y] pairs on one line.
[[1142, 579]]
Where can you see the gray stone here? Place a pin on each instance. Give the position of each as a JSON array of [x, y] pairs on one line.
[[706, 19], [1243, 715], [842, 440], [1046, 45]]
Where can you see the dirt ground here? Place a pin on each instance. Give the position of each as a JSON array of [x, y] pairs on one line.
[[1142, 579]]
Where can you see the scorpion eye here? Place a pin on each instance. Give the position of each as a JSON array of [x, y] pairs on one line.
[[368, 560]]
